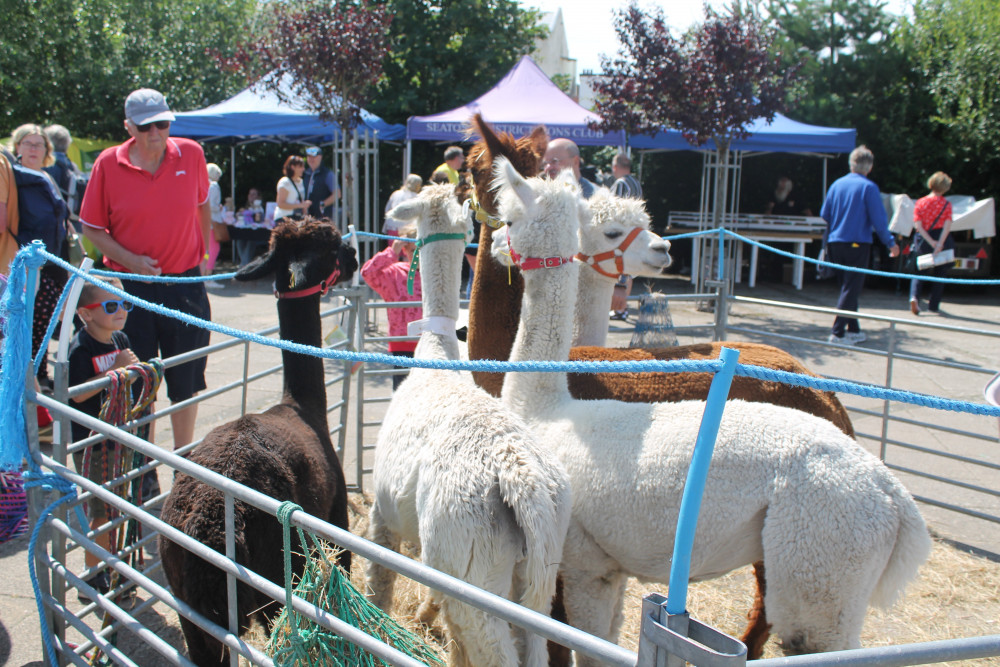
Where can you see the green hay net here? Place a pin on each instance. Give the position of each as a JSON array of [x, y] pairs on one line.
[[297, 641]]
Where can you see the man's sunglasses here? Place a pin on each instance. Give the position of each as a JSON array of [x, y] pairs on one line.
[[112, 305], [160, 125]]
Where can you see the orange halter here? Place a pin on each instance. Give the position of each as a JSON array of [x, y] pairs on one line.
[[593, 261]]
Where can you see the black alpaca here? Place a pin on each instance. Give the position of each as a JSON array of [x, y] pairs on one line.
[[285, 452]]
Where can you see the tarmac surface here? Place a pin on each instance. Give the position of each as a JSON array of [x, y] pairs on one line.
[[251, 307]]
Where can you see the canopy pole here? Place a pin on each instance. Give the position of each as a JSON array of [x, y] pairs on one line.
[[232, 174], [822, 196], [407, 156]]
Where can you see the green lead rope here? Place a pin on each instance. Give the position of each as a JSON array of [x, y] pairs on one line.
[[420, 243], [298, 642]]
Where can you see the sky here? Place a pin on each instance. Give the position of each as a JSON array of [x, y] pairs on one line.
[[590, 23]]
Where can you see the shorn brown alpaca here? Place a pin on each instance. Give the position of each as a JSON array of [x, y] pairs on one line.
[[284, 452], [493, 316]]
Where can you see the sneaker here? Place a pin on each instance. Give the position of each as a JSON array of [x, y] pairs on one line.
[[620, 315], [841, 340], [914, 306], [101, 582], [856, 337]]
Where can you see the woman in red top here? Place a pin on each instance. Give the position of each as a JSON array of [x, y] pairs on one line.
[[932, 224]]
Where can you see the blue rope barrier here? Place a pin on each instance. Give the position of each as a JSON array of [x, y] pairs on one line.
[[872, 272]]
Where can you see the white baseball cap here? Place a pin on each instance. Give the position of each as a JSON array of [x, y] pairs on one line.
[[146, 106]]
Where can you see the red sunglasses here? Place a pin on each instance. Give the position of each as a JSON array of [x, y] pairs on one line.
[[160, 125]]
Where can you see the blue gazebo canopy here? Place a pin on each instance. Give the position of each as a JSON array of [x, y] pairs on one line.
[[253, 115], [781, 135]]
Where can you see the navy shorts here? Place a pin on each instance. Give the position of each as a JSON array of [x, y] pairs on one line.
[[155, 335]]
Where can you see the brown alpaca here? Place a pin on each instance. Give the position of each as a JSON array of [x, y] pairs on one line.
[[284, 453], [495, 308]]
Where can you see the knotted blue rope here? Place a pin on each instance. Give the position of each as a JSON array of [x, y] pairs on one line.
[[17, 339]]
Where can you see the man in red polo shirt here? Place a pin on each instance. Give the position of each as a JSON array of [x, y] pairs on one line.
[[146, 210]]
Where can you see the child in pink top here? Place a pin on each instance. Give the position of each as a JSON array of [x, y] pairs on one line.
[[386, 273]]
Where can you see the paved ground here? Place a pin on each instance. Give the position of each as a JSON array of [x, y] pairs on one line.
[[251, 307]]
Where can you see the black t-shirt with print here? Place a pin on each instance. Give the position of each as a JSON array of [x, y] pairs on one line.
[[89, 358]]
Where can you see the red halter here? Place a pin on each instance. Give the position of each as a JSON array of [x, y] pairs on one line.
[[594, 260], [529, 263], [322, 287]]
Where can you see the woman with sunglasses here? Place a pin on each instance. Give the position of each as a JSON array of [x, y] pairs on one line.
[[292, 200], [146, 210], [34, 151]]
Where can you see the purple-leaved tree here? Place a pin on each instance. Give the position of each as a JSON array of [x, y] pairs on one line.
[[325, 55], [711, 83]]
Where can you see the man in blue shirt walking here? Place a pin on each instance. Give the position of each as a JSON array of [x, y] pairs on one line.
[[853, 212]]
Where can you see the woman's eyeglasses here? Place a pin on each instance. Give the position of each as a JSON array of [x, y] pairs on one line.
[[112, 305], [160, 125]]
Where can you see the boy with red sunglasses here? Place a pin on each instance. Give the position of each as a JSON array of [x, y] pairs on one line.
[[98, 347]]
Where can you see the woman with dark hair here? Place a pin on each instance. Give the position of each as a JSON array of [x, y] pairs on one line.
[[932, 234], [291, 200]]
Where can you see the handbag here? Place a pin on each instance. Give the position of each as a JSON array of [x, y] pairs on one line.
[[221, 231], [297, 214]]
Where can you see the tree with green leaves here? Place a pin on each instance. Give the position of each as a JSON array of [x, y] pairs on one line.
[[326, 56], [857, 72], [447, 52], [73, 61], [955, 46]]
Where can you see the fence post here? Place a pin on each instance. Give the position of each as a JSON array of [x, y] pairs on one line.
[[886, 404]]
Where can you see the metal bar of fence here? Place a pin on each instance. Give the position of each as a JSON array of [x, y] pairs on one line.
[[123, 618], [956, 508], [98, 639], [860, 315], [944, 650], [949, 455], [930, 427], [944, 480], [162, 594]]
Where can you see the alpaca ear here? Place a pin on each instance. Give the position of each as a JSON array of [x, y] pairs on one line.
[[409, 210], [507, 176], [567, 178], [539, 141], [258, 268], [347, 259]]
